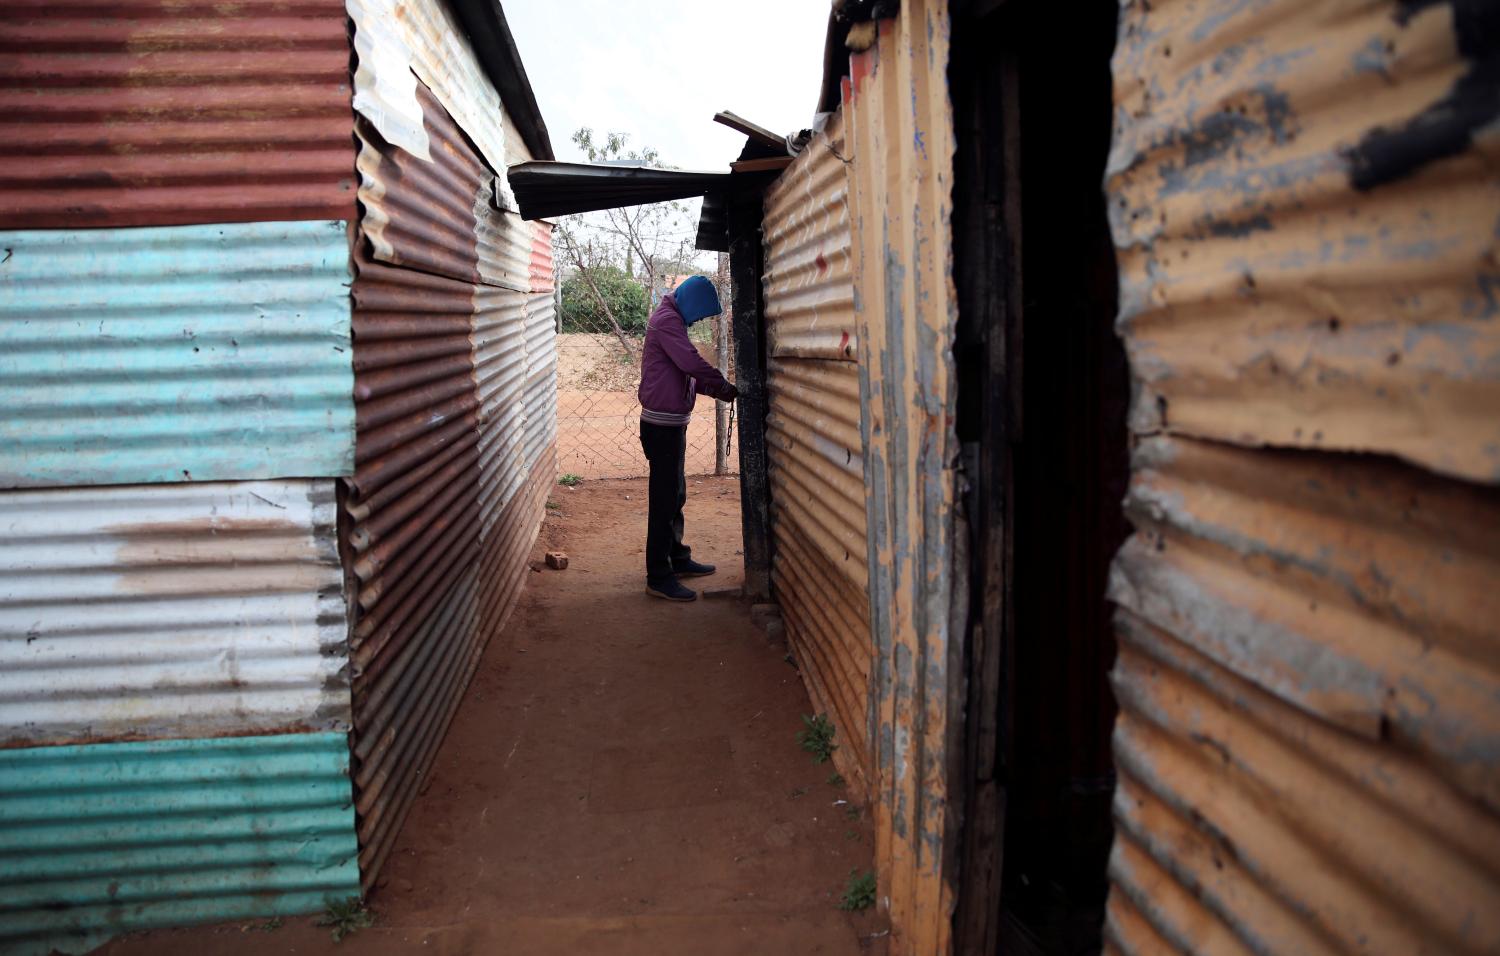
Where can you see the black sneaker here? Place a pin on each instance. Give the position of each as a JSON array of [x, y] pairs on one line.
[[692, 569], [671, 591]]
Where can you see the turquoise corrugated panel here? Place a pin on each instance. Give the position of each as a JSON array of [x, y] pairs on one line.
[[186, 353], [101, 839]]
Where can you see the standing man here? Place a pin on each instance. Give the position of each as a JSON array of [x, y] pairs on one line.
[[672, 372]]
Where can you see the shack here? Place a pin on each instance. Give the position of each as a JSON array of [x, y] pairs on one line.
[[1119, 436], [276, 359]]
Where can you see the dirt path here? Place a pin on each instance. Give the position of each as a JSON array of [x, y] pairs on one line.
[[622, 778]]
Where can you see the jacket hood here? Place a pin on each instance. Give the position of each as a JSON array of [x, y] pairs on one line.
[[696, 299]]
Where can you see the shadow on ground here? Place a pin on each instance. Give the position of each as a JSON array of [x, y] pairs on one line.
[[623, 777]]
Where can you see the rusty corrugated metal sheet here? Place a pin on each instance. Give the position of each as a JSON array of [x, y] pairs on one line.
[[1271, 291], [438, 528], [438, 216], [815, 461], [900, 128], [191, 610], [102, 839], [150, 112], [411, 532], [180, 353], [1308, 745], [1308, 731]]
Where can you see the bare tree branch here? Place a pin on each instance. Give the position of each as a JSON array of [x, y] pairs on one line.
[[588, 278]]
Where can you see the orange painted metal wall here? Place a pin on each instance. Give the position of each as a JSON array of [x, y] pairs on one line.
[[900, 127], [1308, 747], [815, 455]]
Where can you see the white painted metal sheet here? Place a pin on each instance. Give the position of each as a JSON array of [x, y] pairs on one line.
[[188, 610], [385, 89], [443, 59]]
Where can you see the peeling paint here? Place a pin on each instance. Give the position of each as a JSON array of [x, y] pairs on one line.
[[1309, 736]]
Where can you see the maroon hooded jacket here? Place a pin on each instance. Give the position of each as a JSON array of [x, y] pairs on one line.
[[672, 371]]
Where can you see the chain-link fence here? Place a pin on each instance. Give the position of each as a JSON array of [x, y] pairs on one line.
[[598, 414]]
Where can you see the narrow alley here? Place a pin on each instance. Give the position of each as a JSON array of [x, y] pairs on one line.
[[623, 777]]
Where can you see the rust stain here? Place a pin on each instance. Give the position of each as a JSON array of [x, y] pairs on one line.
[[166, 114], [1308, 745]]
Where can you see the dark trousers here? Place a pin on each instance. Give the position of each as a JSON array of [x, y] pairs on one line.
[[665, 447]]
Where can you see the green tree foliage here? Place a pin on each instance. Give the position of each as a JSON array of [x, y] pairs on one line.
[[626, 297]]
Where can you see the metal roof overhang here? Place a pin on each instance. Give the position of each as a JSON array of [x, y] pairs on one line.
[[547, 189]]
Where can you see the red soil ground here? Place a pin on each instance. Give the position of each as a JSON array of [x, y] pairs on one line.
[[623, 778]]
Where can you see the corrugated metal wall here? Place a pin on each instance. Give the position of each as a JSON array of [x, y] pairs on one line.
[[900, 124], [454, 455], [815, 460], [100, 839], [1310, 700], [185, 317], [187, 353], [157, 113], [200, 610]]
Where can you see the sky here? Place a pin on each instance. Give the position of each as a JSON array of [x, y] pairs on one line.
[[659, 70]]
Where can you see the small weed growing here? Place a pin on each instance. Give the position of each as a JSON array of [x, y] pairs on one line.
[[553, 506], [859, 894], [270, 925], [835, 779], [798, 792], [816, 737], [851, 835], [346, 917], [852, 812], [569, 480]]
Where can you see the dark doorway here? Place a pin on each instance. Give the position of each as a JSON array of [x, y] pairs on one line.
[[1043, 389]]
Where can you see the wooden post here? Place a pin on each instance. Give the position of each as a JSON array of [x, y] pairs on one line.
[[746, 267], [721, 354]]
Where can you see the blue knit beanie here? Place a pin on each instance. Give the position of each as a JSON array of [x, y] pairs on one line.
[[696, 299]]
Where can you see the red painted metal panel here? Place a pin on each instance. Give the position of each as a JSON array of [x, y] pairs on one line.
[[541, 258], [153, 112]]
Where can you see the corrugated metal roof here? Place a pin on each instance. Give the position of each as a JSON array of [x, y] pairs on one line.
[[1308, 721], [484, 25], [102, 839], [170, 611], [150, 112], [899, 123], [815, 460], [548, 189], [186, 353], [444, 60], [1265, 298]]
